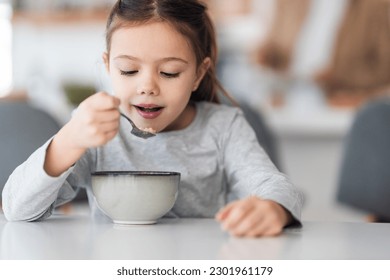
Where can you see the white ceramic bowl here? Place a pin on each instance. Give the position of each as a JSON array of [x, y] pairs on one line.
[[135, 197]]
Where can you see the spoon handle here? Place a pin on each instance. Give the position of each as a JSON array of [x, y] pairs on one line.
[[127, 118]]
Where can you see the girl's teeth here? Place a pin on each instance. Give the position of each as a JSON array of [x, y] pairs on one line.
[[150, 109]]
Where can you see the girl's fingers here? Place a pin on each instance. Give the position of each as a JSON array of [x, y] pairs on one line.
[[237, 212], [106, 116], [107, 127], [103, 101], [93, 117], [95, 122], [252, 221], [265, 229], [102, 128], [111, 134], [224, 212], [258, 230]]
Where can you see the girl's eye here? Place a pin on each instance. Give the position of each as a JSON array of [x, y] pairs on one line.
[[170, 75], [128, 73]]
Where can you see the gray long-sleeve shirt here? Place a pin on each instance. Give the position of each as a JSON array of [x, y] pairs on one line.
[[218, 156]]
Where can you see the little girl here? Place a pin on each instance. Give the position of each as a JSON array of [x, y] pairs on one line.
[[161, 57]]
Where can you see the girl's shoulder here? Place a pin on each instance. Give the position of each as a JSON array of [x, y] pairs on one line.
[[220, 113], [218, 116], [219, 121]]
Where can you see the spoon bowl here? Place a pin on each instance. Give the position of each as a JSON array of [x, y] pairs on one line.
[[136, 131]]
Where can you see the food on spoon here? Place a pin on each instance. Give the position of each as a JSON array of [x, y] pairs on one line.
[[150, 130]]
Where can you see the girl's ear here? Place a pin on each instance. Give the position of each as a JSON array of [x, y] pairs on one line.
[[106, 61], [202, 69]]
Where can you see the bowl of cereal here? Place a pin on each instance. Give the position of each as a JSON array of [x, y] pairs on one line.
[[135, 197]]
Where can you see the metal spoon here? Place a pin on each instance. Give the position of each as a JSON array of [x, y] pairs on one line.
[[136, 131]]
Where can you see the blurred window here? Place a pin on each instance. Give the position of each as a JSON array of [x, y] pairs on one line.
[[5, 48]]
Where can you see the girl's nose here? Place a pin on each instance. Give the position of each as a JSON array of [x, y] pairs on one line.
[[148, 91], [148, 86]]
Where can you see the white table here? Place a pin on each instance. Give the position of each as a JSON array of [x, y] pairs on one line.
[[78, 237]]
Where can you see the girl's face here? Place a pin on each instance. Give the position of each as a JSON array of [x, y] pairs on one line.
[[153, 71]]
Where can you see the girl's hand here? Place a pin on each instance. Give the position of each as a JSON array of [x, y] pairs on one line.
[[253, 217], [95, 122]]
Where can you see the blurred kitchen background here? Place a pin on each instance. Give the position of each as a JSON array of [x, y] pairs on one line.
[[281, 57]]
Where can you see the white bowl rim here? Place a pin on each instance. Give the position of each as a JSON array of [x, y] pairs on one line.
[[135, 173]]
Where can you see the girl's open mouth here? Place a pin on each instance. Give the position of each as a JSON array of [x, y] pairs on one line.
[[148, 111]]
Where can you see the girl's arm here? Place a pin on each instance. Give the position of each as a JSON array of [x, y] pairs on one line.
[[268, 201], [41, 182]]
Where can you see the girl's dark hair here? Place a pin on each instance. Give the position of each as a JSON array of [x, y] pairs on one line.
[[190, 18]]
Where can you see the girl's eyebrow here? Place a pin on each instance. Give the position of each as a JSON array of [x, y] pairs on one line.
[[165, 59]]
